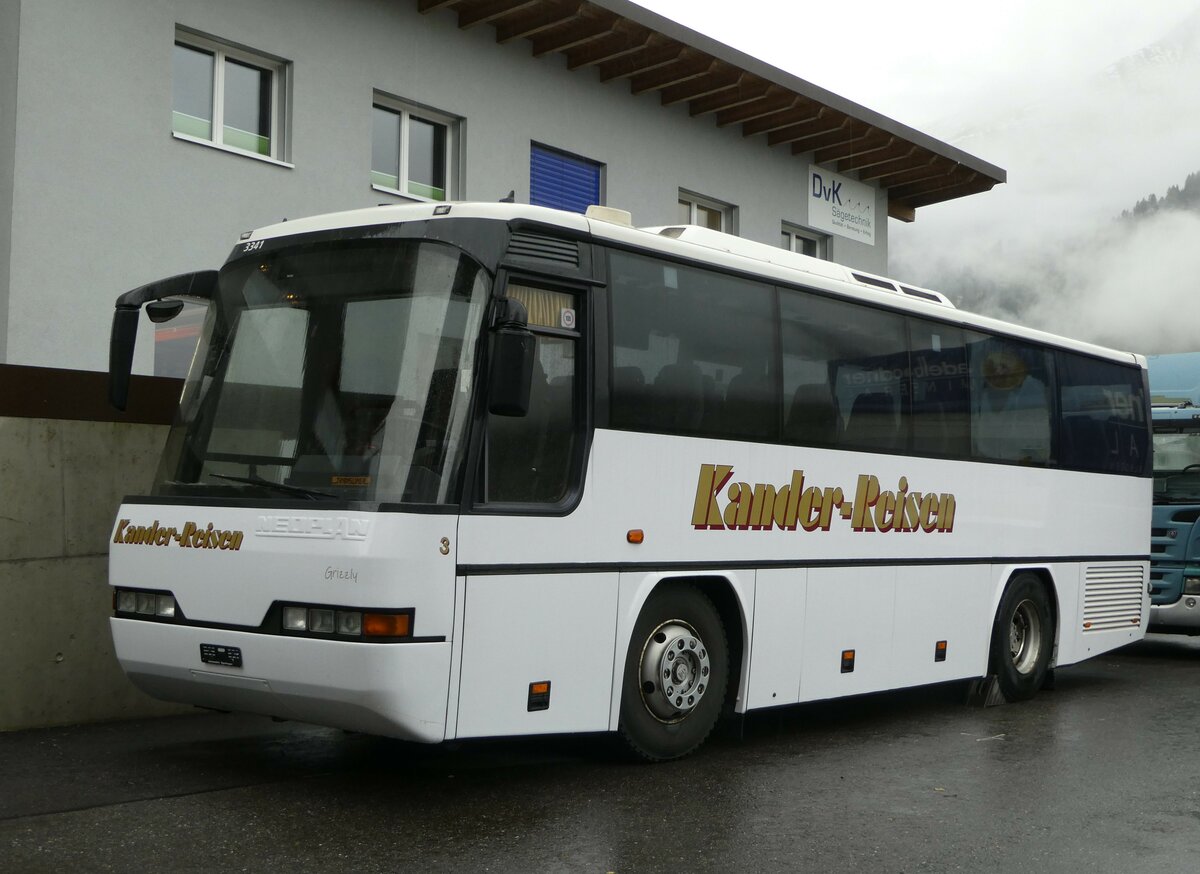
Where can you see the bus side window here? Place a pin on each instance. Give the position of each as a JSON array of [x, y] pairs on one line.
[[941, 390], [845, 374], [678, 397], [873, 423], [812, 419], [1010, 401], [1103, 426], [692, 352]]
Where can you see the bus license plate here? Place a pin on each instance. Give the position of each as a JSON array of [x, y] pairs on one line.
[[229, 656]]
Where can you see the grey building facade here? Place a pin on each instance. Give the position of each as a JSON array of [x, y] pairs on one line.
[[105, 183]]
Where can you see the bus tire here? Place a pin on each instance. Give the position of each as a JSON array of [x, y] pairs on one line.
[[676, 674], [1022, 638]]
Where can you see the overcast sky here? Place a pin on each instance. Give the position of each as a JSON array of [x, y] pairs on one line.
[[919, 60]]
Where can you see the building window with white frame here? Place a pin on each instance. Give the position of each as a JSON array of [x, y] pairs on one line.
[[805, 242], [228, 96], [695, 209], [412, 150]]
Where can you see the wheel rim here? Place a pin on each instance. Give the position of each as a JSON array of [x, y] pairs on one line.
[[1025, 637], [674, 671]]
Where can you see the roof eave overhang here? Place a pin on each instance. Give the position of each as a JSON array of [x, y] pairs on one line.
[[622, 40]]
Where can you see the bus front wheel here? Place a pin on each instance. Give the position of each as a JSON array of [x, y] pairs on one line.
[[676, 674], [1022, 638]]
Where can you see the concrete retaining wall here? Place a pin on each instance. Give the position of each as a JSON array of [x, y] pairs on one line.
[[66, 460]]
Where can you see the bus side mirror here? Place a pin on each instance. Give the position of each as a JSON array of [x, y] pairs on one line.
[[199, 285], [511, 366], [161, 311]]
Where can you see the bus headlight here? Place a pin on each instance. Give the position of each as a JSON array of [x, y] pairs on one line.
[[1191, 585], [320, 621], [295, 619], [144, 604], [349, 622]]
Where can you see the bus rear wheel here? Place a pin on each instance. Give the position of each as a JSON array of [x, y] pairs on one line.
[[1022, 638], [676, 673]]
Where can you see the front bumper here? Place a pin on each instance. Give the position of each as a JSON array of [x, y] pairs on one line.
[[397, 690], [1182, 616]]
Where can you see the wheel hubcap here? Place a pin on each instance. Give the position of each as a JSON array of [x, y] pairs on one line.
[[1025, 637], [674, 671]]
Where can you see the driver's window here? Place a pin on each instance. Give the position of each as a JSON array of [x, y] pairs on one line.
[[528, 458]]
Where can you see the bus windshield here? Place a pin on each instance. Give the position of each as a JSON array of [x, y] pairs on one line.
[[338, 369]]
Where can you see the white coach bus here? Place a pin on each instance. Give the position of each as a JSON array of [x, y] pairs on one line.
[[454, 471]]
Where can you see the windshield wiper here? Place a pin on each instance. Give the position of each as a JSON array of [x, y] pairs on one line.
[[311, 494]]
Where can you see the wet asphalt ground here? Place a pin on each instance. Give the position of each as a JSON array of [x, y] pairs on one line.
[[1100, 774]]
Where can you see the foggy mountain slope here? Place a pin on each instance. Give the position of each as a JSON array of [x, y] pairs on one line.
[[1186, 197], [1046, 249], [1178, 48]]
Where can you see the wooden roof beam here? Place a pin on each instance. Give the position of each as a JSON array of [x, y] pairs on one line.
[[901, 211], [533, 23], [773, 101], [578, 34], [843, 137], [470, 15], [730, 98], [797, 113], [843, 133], [618, 45], [922, 189], [931, 169], [872, 142], [868, 161], [977, 185], [914, 159], [427, 6], [641, 62], [716, 81], [684, 70], [823, 123]]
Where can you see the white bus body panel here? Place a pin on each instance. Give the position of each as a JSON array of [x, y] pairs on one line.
[[299, 555], [890, 596], [523, 629]]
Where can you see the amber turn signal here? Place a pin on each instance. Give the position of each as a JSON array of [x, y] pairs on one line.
[[386, 624]]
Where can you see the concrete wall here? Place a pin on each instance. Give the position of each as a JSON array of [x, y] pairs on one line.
[[106, 199], [62, 480], [10, 29], [62, 483]]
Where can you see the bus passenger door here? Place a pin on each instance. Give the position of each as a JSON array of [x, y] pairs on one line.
[[535, 647]]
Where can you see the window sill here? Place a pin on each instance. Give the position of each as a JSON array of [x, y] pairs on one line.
[[220, 147], [404, 195]]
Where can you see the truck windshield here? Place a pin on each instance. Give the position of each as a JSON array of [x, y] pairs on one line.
[[332, 370], [1176, 464]]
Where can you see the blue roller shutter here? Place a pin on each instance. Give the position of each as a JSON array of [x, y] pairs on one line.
[[562, 181]]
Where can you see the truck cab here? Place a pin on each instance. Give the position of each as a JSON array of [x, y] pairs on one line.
[[1175, 526]]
